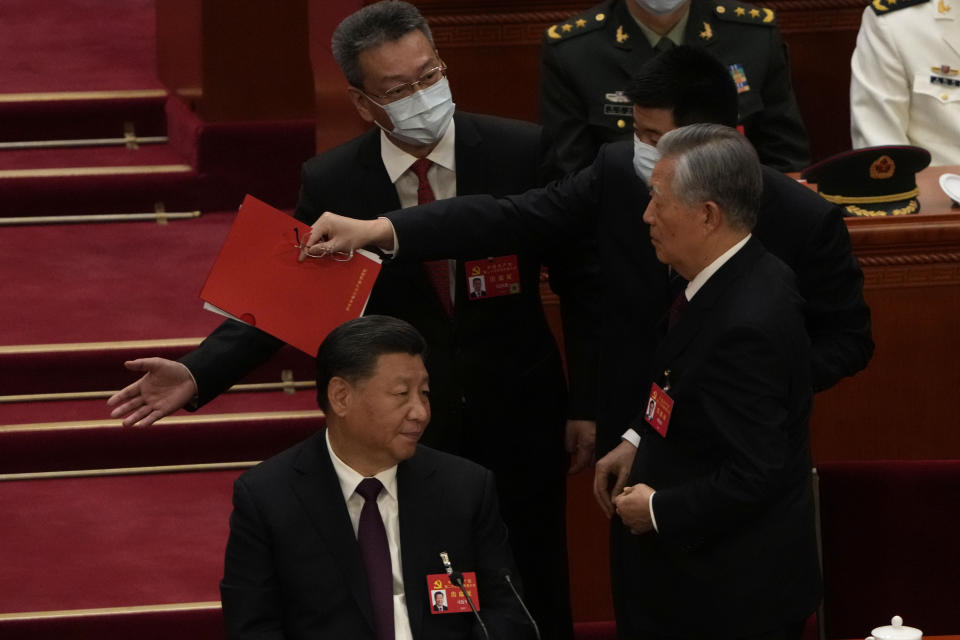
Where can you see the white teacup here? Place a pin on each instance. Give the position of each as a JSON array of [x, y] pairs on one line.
[[896, 631]]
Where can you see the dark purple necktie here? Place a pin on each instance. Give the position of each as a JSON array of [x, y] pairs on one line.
[[375, 551], [676, 309]]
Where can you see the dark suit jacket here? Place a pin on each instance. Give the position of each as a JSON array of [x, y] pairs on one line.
[[607, 200], [736, 551], [293, 566]]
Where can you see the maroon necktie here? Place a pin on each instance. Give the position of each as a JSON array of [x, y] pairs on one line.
[[676, 309], [439, 270], [375, 551]]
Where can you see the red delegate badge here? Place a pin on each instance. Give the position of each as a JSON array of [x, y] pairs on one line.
[[492, 277], [446, 597], [659, 407]]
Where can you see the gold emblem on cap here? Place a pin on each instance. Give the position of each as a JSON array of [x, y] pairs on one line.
[[754, 13], [621, 36], [882, 168], [707, 32], [581, 23], [600, 17], [567, 27], [621, 123], [878, 5], [740, 11], [943, 7], [721, 9], [768, 15], [552, 33]]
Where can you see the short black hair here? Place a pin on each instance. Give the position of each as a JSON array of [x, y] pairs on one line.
[[370, 27], [351, 350], [693, 84]]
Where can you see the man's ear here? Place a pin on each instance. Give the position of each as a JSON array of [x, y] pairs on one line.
[[361, 103], [339, 392], [712, 215]]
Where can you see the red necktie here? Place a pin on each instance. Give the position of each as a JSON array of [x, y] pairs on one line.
[[438, 270], [375, 551]]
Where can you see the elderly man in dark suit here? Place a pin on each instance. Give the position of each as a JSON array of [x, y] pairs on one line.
[[498, 384], [717, 536], [336, 537]]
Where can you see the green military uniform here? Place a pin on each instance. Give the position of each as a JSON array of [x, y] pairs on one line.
[[587, 62]]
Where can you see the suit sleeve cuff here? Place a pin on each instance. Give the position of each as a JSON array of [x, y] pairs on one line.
[[632, 437], [653, 518]]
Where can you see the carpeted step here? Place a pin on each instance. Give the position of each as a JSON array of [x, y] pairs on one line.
[[128, 540], [64, 328], [176, 440], [82, 115]]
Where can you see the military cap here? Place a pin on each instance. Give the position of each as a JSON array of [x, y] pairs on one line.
[[875, 181]]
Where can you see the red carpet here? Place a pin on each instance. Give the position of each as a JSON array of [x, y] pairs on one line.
[[81, 543], [77, 45], [136, 280]]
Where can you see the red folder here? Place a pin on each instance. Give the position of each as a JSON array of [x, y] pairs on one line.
[[258, 280]]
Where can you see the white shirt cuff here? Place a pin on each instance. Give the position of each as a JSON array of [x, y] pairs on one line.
[[653, 518], [396, 241], [632, 437]]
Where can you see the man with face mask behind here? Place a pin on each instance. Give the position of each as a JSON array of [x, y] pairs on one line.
[[497, 385], [587, 62]]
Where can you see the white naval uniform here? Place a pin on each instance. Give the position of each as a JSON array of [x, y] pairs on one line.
[[892, 97]]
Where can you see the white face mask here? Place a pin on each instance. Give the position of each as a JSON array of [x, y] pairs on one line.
[[644, 157], [422, 118], [660, 7]]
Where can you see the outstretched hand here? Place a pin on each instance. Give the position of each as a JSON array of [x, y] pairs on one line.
[[165, 387], [332, 233]]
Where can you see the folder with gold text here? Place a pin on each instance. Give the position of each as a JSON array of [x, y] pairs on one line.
[[258, 280]]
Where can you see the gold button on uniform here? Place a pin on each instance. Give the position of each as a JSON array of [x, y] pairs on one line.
[[621, 123], [943, 96]]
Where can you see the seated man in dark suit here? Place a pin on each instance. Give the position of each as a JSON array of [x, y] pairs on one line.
[[336, 537], [717, 536]]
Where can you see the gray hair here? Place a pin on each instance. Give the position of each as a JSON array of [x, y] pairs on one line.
[[717, 163], [371, 27]]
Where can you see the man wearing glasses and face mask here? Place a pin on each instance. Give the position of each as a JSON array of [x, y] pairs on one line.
[[498, 391], [587, 61]]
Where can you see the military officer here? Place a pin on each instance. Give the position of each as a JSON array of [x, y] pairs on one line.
[[587, 61], [905, 77]]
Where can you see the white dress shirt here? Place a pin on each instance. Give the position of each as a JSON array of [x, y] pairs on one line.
[[442, 176], [631, 435], [390, 513]]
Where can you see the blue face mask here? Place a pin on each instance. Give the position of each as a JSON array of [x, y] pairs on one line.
[[644, 158], [422, 118]]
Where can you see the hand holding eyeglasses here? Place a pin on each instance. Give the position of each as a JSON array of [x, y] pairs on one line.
[[334, 235]]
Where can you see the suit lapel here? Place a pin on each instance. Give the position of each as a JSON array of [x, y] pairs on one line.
[[471, 162], [413, 488], [698, 309], [318, 488], [376, 188]]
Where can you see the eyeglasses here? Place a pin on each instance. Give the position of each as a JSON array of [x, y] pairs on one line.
[[338, 256], [428, 79]]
